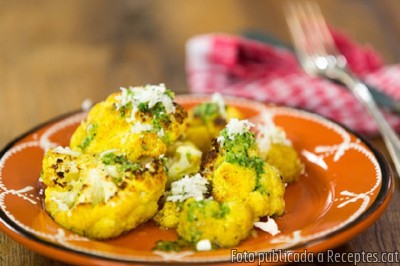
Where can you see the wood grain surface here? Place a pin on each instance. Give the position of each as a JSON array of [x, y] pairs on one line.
[[56, 54]]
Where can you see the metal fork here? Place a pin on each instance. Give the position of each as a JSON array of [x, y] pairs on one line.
[[318, 55]]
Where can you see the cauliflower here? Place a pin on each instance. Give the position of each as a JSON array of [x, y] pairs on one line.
[[183, 159], [100, 196], [286, 160], [278, 150], [222, 223], [168, 216], [197, 218], [207, 120], [237, 173], [135, 158], [139, 121], [195, 187]]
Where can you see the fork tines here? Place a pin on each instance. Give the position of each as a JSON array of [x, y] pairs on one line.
[[308, 29]]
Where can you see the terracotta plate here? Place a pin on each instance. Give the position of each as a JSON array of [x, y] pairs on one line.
[[345, 188]]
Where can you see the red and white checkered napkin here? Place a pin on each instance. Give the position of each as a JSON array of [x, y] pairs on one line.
[[240, 67]]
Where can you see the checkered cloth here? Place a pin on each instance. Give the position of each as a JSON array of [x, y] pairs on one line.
[[240, 67]]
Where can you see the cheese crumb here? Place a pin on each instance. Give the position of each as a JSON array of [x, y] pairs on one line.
[[203, 245], [269, 226], [269, 133], [188, 187], [149, 94], [219, 101], [235, 127]]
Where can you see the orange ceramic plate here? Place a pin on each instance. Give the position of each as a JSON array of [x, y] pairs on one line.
[[346, 186]]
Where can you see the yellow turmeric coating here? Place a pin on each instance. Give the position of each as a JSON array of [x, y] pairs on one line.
[[263, 193], [168, 216], [126, 158], [100, 199], [238, 174], [268, 198], [286, 160], [205, 122], [224, 224], [233, 182], [108, 128]]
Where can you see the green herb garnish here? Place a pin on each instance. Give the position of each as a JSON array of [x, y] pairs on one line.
[[91, 134], [176, 246], [126, 165]]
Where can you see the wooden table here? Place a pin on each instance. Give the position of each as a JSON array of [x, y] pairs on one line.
[[56, 54]]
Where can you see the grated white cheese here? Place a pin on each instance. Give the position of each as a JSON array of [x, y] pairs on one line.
[[219, 100], [235, 127], [66, 151], [132, 118], [203, 245], [124, 98], [154, 94], [269, 226], [269, 133], [150, 94], [188, 187]]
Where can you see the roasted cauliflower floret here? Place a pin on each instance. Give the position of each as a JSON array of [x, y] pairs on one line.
[[267, 199], [187, 187], [206, 120], [168, 216], [139, 121], [278, 150], [100, 196], [224, 224], [237, 173], [286, 159], [183, 159], [198, 218]]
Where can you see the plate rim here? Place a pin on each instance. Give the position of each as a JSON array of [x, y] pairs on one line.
[[381, 201]]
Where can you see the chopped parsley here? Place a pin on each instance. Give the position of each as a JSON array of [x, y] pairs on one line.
[[177, 245], [224, 210], [91, 131], [156, 102], [238, 149], [125, 109], [207, 208], [160, 117], [206, 111], [126, 165]]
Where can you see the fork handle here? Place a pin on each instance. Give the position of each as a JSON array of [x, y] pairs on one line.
[[361, 92]]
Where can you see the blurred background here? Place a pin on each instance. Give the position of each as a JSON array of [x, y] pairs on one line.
[[56, 54]]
